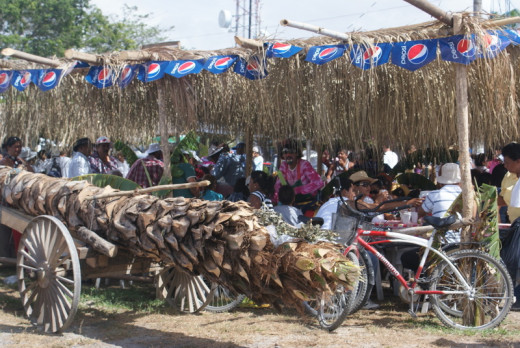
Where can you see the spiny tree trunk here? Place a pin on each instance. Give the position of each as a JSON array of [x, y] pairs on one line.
[[222, 240]]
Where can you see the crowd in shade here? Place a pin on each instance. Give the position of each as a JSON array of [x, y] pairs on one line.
[[299, 190]]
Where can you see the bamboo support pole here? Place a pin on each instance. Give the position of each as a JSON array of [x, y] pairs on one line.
[[500, 22], [163, 127], [31, 57], [461, 91], [135, 55], [150, 189], [84, 57], [249, 43], [249, 150], [433, 10], [315, 29]]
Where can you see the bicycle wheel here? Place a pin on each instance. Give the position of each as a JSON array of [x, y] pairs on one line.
[[366, 281], [490, 297], [334, 309], [223, 299]]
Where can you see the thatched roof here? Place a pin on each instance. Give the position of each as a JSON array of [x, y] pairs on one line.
[[332, 102]]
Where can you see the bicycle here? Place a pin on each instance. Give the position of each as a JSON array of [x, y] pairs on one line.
[[468, 289]]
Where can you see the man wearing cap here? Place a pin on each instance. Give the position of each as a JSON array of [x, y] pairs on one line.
[[258, 160], [79, 163], [100, 160], [439, 201], [148, 171], [230, 166]]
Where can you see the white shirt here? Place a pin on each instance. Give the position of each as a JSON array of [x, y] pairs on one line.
[[64, 166], [515, 196], [326, 210], [390, 158], [258, 163], [438, 202], [79, 165], [289, 214]]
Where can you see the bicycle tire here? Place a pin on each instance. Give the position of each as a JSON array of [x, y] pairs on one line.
[[491, 284], [223, 299], [334, 309], [366, 281]]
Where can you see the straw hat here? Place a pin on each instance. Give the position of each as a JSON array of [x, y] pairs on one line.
[[361, 176], [449, 174], [213, 150]]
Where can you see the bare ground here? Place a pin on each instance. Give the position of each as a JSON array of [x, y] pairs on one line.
[[388, 326]]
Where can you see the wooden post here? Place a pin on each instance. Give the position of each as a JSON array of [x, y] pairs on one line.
[[461, 92], [249, 150], [433, 11], [163, 126]]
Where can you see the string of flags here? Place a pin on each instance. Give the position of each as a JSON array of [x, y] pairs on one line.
[[410, 55]]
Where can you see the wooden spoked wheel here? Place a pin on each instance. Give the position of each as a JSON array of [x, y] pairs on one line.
[[183, 291], [49, 275]]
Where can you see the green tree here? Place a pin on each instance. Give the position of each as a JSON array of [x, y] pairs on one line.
[[49, 27]]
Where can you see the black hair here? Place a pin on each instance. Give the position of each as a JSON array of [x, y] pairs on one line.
[[80, 142], [512, 151], [266, 182], [345, 183], [240, 186], [212, 182], [286, 195], [10, 142], [480, 159]]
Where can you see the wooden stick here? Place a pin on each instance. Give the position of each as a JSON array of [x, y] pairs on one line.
[[500, 22], [30, 57], [150, 189], [134, 55], [96, 242], [315, 29], [84, 57], [248, 43], [8, 260], [433, 10]]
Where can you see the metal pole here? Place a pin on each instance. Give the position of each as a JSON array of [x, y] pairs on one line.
[[250, 14]]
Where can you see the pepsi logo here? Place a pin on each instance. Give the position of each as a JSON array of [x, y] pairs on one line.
[[4, 79], [417, 54], [104, 76], [492, 42], [223, 63], [186, 67], [26, 79], [126, 73], [281, 48], [372, 53], [466, 48], [328, 53], [153, 70], [49, 79], [253, 65]]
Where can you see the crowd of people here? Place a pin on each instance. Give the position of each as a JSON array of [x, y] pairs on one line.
[[295, 190]]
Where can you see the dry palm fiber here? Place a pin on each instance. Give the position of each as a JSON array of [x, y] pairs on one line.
[[222, 240]]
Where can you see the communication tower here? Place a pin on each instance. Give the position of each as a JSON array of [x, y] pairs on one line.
[[246, 19]]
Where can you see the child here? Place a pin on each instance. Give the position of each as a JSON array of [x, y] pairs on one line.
[[209, 193], [289, 213]]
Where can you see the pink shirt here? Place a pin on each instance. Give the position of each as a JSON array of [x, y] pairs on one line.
[[311, 181]]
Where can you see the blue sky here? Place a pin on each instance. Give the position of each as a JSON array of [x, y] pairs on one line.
[[196, 22]]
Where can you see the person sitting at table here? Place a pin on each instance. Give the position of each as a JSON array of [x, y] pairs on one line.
[[285, 209], [12, 148], [439, 201], [331, 206], [260, 185]]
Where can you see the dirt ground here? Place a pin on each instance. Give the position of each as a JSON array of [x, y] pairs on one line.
[[388, 326]]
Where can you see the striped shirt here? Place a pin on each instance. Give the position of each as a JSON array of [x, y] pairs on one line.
[[266, 202], [438, 202]]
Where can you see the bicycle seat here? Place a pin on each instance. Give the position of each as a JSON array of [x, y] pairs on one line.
[[438, 222]]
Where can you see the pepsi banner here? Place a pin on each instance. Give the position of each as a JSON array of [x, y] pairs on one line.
[[458, 49], [22, 79], [513, 35], [253, 69], [219, 64], [100, 76], [5, 79], [324, 54], [152, 71], [47, 79], [493, 43], [126, 75], [366, 57], [180, 68], [413, 55], [281, 50]]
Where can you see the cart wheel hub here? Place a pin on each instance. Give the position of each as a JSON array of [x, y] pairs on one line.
[[43, 275]]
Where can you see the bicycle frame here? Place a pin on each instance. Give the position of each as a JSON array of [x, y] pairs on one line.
[[413, 240]]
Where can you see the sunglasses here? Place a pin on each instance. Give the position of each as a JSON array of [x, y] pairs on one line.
[[364, 184]]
